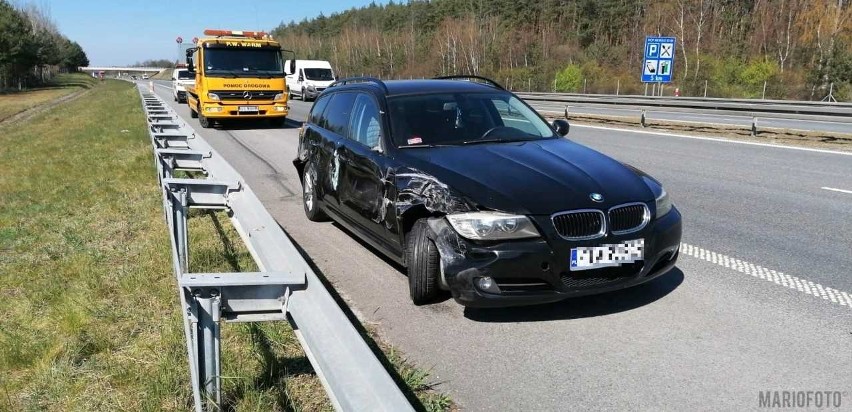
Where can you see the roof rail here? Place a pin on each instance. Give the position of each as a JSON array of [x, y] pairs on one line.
[[470, 77], [361, 80]]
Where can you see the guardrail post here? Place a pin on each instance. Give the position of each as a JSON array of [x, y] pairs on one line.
[[642, 118], [180, 221], [754, 126], [208, 330]]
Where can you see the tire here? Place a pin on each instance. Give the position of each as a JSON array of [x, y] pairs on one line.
[[203, 120], [423, 264], [310, 202], [277, 122]]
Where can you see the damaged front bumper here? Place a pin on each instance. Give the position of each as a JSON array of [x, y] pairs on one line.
[[534, 271]]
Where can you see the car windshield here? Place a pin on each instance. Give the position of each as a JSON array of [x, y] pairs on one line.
[[184, 75], [243, 62], [318, 74], [463, 118]]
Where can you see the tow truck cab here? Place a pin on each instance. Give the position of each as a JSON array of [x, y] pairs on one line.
[[238, 75]]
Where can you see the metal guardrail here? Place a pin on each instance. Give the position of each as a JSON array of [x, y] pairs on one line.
[[763, 108], [285, 288]]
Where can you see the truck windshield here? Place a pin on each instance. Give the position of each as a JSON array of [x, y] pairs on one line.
[[243, 62], [318, 74]]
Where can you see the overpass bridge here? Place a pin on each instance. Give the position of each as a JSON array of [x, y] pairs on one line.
[[108, 69]]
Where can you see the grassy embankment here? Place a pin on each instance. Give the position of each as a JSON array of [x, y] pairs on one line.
[[14, 102], [164, 75], [90, 313]]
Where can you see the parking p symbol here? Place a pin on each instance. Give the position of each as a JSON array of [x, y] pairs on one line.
[[653, 50]]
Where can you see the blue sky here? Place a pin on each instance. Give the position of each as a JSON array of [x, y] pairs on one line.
[[118, 32]]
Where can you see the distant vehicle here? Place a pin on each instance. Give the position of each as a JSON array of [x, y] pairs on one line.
[[180, 79], [308, 78], [475, 193], [132, 77], [238, 75], [144, 77]]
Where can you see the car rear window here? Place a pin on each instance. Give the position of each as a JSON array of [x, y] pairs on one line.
[[184, 75]]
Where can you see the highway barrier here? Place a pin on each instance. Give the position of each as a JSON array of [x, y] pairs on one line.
[[285, 288], [837, 112]]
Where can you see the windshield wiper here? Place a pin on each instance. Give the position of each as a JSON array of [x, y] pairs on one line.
[[422, 146], [495, 141]]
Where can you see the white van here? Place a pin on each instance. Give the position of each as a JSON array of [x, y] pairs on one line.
[[308, 78], [180, 79]]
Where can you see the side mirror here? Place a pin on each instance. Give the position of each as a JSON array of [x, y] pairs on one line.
[[190, 67], [561, 126], [292, 67]]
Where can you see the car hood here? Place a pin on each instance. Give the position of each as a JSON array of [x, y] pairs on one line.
[[540, 177]]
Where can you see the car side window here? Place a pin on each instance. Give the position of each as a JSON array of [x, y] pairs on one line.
[[512, 116], [316, 112], [338, 112], [365, 126]]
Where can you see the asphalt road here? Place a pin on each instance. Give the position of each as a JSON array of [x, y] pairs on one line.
[[760, 299], [692, 116]]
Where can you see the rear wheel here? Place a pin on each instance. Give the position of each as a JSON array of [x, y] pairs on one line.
[[423, 264], [309, 195]]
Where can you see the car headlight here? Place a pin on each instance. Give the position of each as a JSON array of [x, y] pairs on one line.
[[311, 87], [492, 226], [279, 96], [213, 96], [661, 197]]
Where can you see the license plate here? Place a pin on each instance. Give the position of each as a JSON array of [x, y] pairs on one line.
[[585, 258], [244, 109]]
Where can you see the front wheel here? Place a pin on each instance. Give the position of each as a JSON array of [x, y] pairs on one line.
[[423, 263], [309, 195], [277, 122], [203, 120]]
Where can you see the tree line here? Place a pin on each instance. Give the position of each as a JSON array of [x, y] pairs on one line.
[[32, 50], [793, 49]]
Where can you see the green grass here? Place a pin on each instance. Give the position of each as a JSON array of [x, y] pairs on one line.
[[13, 102], [90, 310]]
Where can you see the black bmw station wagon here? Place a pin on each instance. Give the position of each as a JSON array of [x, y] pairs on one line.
[[471, 190]]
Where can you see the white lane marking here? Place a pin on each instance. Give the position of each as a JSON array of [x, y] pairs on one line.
[[713, 139], [837, 190], [792, 282]]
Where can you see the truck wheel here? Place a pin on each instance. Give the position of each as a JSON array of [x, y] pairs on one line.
[[423, 264], [203, 120], [309, 195]]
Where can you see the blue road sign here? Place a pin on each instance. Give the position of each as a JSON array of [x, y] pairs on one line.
[[658, 62]]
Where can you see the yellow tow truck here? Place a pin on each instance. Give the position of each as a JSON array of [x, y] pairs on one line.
[[238, 75]]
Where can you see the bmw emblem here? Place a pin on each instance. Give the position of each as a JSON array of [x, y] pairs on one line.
[[597, 197]]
